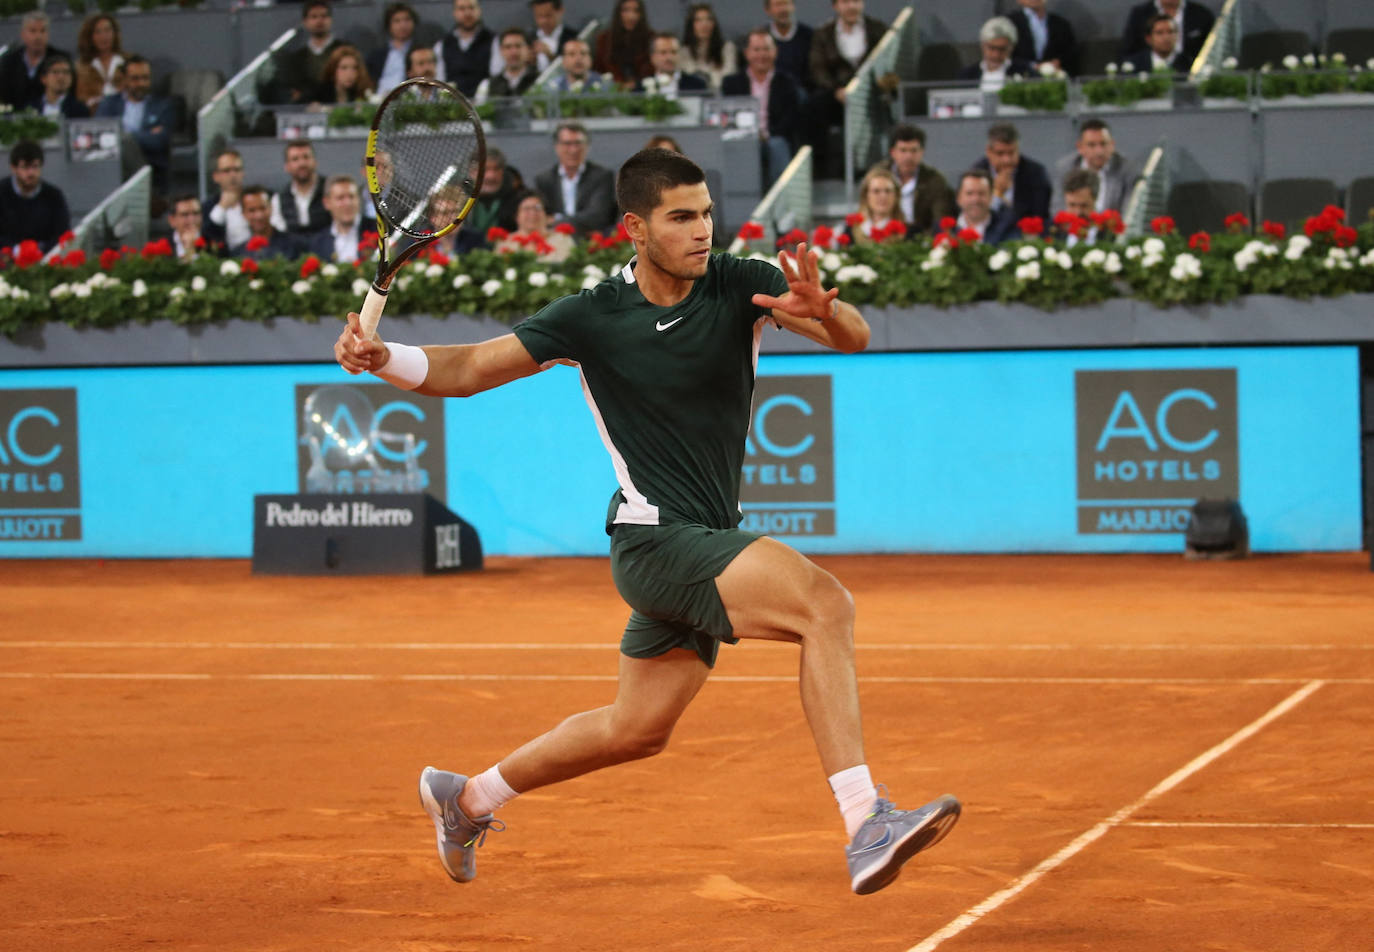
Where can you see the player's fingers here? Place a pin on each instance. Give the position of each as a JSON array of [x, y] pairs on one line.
[[766, 301], [786, 264]]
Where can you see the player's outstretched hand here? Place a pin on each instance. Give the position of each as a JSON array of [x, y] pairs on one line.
[[358, 354], [805, 296]]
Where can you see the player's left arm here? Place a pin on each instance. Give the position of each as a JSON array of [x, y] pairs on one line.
[[810, 310]]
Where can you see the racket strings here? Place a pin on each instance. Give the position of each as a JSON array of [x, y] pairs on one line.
[[429, 160]]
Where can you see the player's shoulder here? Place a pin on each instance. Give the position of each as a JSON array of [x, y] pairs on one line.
[[752, 274]]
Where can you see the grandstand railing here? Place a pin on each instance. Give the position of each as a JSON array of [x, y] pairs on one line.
[[1150, 197], [1222, 43], [787, 205], [121, 219], [869, 111], [216, 119]]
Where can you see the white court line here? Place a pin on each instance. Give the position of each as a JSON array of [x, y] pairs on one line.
[[1019, 885], [1211, 825], [611, 645]]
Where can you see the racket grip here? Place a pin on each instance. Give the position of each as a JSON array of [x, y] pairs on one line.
[[372, 311]]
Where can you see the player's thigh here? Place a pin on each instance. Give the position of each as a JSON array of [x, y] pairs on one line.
[[772, 591], [653, 692]]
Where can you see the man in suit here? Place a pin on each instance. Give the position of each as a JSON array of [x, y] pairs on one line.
[[792, 38], [148, 120], [1079, 188], [575, 190], [1192, 23], [264, 241], [924, 195], [549, 35], [339, 242], [1018, 182], [997, 39], [1096, 152], [468, 53], [56, 75], [300, 70], [838, 48], [19, 82], [387, 64], [1044, 37], [779, 97], [184, 218], [298, 208], [667, 79], [222, 220], [1161, 41], [976, 213]]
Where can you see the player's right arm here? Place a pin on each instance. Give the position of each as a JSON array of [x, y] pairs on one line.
[[454, 370]]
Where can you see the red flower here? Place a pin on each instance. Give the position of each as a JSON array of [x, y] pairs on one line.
[[1201, 241], [1346, 236], [947, 223], [108, 259], [248, 265], [843, 241], [822, 236], [1071, 223], [1236, 222], [1274, 230], [367, 243], [563, 228], [541, 246], [750, 231], [66, 238], [75, 258], [969, 235], [895, 229], [621, 234], [854, 218], [256, 243], [496, 233], [199, 243], [1110, 219], [439, 258], [949, 241], [1333, 213], [1163, 225], [162, 248], [793, 237], [1033, 225], [29, 254], [309, 266]]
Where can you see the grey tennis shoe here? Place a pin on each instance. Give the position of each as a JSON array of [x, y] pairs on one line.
[[889, 837], [458, 836]]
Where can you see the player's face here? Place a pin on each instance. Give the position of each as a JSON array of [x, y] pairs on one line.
[[677, 234]]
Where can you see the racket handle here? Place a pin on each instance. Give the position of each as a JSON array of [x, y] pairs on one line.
[[372, 311]]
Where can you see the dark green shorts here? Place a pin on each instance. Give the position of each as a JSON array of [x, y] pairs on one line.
[[667, 574]]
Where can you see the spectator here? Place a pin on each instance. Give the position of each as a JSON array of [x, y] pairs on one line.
[[184, 217], [924, 195], [1192, 23], [30, 208], [19, 83], [518, 73], [1080, 199], [667, 78], [300, 70], [1161, 41], [997, 39], [443, 209], [345, 78], [147, 120], [339, 242], [705, 51], [549, 32], [468, 53], [100, 53], [57, 100], [1018, 182], [298, 208], [532, 232], [223, 222], [577, 191], [388, 63], [422, 63], [663, 142], [1044, 37], [1096, 152], [779, 98], [264, 241], [622, 49], [838, 48], [498, 196], [792, 38], [879, 207], [976, 213], [577, 75]]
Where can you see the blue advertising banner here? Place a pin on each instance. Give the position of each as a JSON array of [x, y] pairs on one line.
[[1043, 451]]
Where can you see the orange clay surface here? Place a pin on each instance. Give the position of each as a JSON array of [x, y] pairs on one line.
[[197, 758]]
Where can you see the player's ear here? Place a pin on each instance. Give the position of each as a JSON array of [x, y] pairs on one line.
[[634, 225]]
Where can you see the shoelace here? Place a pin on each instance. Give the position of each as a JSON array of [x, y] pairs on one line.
[[480, 837]]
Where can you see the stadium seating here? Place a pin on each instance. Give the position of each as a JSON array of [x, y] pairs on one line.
[[1291, 201], [1356, 44], [1271, 46], [1203, 206], [1359, 200]]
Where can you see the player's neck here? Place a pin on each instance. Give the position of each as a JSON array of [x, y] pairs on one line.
[[658, 286]]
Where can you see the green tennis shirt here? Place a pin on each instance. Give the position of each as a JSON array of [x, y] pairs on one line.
[[670, 388]]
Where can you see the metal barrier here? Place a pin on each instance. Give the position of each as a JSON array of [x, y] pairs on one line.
[[868, 113], [787, 204], [1150, 197], [121, 219], [216, 119], [1222, 43]]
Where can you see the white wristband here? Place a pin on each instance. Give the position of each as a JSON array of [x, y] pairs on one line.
[[407, 367]]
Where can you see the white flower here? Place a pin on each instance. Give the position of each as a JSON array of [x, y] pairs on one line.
[[255, 284], [176, 292], [1111, 69], [229, 268], [1127, 68], [490, 287], [99, 280], [511, 274], [461, 281], [1368, 260], [1153, 246], [1094, 258], [650, 84], [329, 270], [1267, 68], [359, 287], [198, 283], [590, 282], [1296, 246], [140, 289], [1150, 260], [1338, 59], [1064, 260], [301, 287], [1186, 267], [862, 273], [538, 279], [1049, 253], [1113, 264], [81, 290], [1229, 63], [1369, 63], [60, 291], [433, 271], [999, 260], [1133, 252], [403, 282], [1047, 70], [1290, 62], [1030, 271], [1027, 253], [1244, 258], [1309, 60], [831, 261]]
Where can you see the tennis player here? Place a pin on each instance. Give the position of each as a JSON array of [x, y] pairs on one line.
[[667, 349]]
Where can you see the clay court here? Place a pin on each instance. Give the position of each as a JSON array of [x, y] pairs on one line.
[[1153, 754]]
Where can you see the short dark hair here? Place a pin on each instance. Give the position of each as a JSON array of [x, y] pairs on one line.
[[511, 31], [309, 5], [573, 39], [134, 59], [757, 31], [974, 173], [577, 127], [1151, 21], [1003, 132], [1094, 125], [496, 155], [906, 132], [262, 190], [51, 60], [298, 144], [557, 4], [391, 10], [223, 152], [648, 173], [183, 197], [417, 48], [1079, 179], [525, 193], [26, 150], [663, 35]]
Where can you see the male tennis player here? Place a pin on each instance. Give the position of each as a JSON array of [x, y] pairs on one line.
[[667, 349]]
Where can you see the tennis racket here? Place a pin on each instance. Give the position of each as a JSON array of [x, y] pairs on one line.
[[425, 157]]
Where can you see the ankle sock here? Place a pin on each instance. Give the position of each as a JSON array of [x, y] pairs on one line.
[[489, 791], [855, 794]]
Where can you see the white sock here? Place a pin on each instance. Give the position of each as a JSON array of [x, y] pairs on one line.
[[855, 794], [489, 791]]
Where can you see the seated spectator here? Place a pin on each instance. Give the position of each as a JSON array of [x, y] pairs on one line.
[[838, 48], [792, 38], [576, 190], [779, 98], [974, 199], [345, 78], [300, 70], [532, 232], [1080, 200], [577, 74], [222, 222], [924, 195], [339, 242], [1161, 43], [148, 120], [498, 196], [1192, 23], [879, 207], [997, 39], [298, 207], [1044, 37], [668, 79], [705, 51], [422, 63], [518, 73], [388, 63], [30, 208], [550, 33], [19, 83], [184, 217], [100, 53], [58, 100], [663, 142], [443, 209], [1096, 152], [1018, 182], [264, 241], [622, 49], [468, 53]]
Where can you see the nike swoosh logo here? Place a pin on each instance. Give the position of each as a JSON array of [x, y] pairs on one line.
[[663, 327]]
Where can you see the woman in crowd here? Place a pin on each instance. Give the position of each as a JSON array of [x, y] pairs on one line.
[[879, 208], [705, 50], [622, 50], [532, 232], [345, 78], [100, 54]]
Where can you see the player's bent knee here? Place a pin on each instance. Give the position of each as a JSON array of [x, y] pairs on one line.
[[639, 744], [830, 609]]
